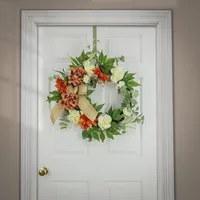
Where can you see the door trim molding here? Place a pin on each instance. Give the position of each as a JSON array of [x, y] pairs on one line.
[[31, 20]]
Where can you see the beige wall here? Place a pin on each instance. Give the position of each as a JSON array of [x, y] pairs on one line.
[[186, 50]]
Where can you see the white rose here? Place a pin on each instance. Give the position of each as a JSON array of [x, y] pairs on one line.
[[73, 116], [86, 79], [126, 112], [120, 84], [117, 74], [88, 67], [104, 121]]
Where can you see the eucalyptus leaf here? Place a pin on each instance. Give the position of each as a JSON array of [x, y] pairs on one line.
[[122, 58]]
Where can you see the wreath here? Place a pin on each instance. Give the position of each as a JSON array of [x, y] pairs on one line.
[[73, 90]]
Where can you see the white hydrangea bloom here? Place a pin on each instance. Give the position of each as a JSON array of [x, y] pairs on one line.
[[89, 67], [104, 121], [86, 79], [73, 116], [117, 74]]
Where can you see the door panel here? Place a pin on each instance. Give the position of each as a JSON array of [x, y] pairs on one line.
[[123, 169]]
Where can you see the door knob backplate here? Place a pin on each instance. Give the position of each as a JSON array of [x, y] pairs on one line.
[[43, 171]]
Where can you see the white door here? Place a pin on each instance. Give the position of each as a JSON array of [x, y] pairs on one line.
[[123, 169]]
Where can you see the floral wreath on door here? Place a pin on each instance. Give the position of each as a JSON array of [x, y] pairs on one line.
[[75, 106]]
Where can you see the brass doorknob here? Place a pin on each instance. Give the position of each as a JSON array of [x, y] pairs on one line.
[[43, 171]]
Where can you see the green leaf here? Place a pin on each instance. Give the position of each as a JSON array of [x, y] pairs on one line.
[[72, 61], [116, 115], [83, 57], [80, 60], [85, 134], [88, 98], [99, 113], [114, 125], [142, 119], [90, 135], [104, 59], [56, 96], [117, 60], [116, 112], [99, 107], [135, 83], [125, 75], [102, 136], [93, 83], [73, 66], [65, 79], [63, 127], [129, 80], [55, 93], [53, 98], [109, 62], [62, 73], [106, 69], [129, 76], [116, 132], [105, 64], [75, 61], [122, 58], [95, 135], [62, 123], [101, 58], [109, 134], [110, 111], [83, 54], [135, 94], [113, 131], [89, 53], [89, 92]]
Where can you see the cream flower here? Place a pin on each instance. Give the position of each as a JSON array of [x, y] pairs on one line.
[[120, 84], [88, 67], [126, 112], [117, 74], [104, 121], [86, 79], [73, 116]]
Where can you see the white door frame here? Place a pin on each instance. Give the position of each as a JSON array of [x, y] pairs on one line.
[[31, 20]]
